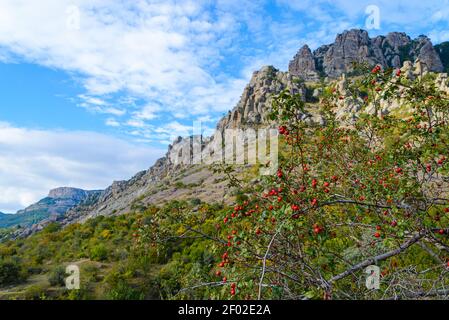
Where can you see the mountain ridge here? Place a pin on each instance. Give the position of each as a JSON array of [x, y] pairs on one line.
[[52, 207], [355, 45]]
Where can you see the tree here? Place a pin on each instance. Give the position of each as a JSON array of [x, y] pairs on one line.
[[348, 195], [10, 273]]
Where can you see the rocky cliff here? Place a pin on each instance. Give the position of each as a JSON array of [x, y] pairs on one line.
[[256, 98], [356, 46]]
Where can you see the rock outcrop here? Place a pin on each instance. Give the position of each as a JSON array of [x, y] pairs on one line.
[[355, 46], [303, 65], [254, 104]]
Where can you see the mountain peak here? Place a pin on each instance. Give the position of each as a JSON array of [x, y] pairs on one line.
[[66, 193], [355, 45]]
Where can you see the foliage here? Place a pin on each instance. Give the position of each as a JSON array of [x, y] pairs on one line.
[[346, 196], [57, 276], [10, 272]]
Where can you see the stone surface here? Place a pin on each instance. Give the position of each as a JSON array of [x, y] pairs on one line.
[[303, 65], [355, 46]]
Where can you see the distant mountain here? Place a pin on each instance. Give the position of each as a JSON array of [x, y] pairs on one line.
[[356, 46], [52, 207]]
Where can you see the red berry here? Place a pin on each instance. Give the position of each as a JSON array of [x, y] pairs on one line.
[[218, 273], [441, 231], [225, 279], [378, 228], [225, 220], [394, 224], [377, 234], [314, 202], [446, 210], [295, 207], [258, 231]]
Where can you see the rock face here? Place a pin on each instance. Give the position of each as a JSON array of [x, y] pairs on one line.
[[303, 65], [254, 103], [443, 51], [356, 46], [68, 193]]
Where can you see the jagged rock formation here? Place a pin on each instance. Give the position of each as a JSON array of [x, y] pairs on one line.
[[255, 101], [52, 207], [356, 46], [303, 65]]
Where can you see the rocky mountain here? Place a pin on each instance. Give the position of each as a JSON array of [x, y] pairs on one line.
[[168, 179], [253, 104], [356, 46], [51, 207]]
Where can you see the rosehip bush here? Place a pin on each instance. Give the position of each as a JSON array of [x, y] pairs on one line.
[[348, 195]]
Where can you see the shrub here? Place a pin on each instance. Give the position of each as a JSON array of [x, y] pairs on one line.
[[10, 273], [99, 253], [57, 276]]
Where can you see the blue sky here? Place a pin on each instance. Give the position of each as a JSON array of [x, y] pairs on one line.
[[93, 91]]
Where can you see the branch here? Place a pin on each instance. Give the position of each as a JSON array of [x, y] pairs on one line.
[[380, 257], [265, 265]]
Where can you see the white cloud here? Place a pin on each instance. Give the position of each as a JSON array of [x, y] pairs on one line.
[[111, 122], [162, 52], [34, 161]]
